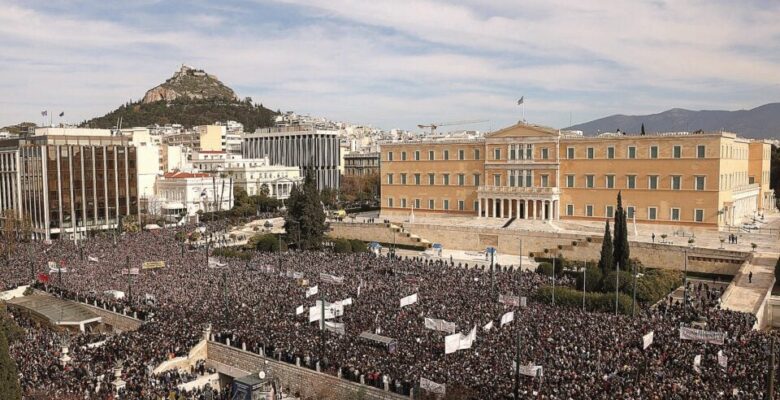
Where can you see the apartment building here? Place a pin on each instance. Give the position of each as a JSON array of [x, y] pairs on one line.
[[361, 164], [532, 172]]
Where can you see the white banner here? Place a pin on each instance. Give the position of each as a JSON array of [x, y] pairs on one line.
[[297, 275], [432, 386], [459, 341], [697, 363], [507, 318], [488, 326], [509, 300], [92, 259], [336, 327], [299, 310], [705, 336], [723, 361], [529, 370], [332, 279], [408, 300], [440, 325], [647, 340], [312, 291], [345, 302], [332, 310]]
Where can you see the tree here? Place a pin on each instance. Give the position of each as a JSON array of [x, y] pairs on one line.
[[305, 219], [605, 262], [9, 382], [621, 250]]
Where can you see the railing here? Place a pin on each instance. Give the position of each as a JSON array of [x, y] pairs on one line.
[[744, 189], [519, 190]]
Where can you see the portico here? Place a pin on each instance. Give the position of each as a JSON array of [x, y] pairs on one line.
[[532, 203]]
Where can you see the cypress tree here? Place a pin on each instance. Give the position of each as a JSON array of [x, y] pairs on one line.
[[605, 262], [9, 382], [622, 252], [305, 219]]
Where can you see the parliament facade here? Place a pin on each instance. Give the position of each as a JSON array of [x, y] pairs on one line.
[[532, 172]]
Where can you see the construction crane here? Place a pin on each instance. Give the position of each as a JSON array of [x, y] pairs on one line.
[[433, 126]]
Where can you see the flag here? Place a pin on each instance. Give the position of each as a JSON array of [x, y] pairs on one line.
[[312, 291], [44, 113], [299, 310], [488, 326], [647, 340], [432, 386], [203, 193], [408, 300], [43, 277], [507, 318], [522, 99], [697, 363], [722, 359], [62, 114]]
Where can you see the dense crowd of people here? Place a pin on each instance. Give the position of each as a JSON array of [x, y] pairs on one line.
[[253, 304]]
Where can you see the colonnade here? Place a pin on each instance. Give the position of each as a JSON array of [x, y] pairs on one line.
[[497, 207]]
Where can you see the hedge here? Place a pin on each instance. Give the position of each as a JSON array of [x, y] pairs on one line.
[[266, 242], [231, 253], [358, 246], [341, 245], [567, 297], [592, 280]]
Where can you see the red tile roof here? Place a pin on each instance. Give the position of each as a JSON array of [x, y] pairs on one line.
[[183, 175]]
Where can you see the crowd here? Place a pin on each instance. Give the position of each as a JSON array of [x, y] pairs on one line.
[[582, 354]]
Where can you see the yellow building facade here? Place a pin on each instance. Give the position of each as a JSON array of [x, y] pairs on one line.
[[532, 172]]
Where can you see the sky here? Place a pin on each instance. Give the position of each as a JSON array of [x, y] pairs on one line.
[[396, 63]]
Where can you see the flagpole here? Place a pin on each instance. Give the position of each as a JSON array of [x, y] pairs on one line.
[[517, 368]]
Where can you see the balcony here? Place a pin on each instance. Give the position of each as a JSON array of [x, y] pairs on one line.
[[519, 190]]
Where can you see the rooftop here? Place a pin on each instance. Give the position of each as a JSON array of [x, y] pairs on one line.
[[184, 175], [56, 310]]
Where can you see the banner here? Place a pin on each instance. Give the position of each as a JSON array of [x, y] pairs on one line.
[[153, 265], [507, 318], [214, 263], [459, 341], [43, 277], [705, 336], [697, 363], [346, 302], [92, 259], [133, 271], [488, 326], [440, 325], [409, 300], [332, 279], [509, 300], [432, 386], [723, 361], [299, 310], [647, 340], [312, 291], [529, 370], [332, 310], [336, 327]]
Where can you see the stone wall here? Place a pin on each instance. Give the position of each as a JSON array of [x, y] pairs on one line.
[[772, 312], [117, 321], [310, 384], [382, 233]]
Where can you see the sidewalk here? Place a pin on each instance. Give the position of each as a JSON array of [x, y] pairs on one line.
[[746, 296]]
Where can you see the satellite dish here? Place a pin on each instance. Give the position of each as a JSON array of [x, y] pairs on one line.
[[261, 374]]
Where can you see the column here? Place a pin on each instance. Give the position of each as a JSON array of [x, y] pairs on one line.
[[525, 208], [495, 206], [536, 208], [479, 207], [501, 201], [509, 207]]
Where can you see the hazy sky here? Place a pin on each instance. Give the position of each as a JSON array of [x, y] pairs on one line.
[[396, 63]]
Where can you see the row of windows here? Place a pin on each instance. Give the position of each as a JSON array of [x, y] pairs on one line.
[[432, 204], [445, 155], [650, 213], [522, 152], [631, 152], [653, 182], [431, 179], [736, 153]]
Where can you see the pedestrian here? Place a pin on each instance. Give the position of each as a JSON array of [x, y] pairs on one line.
[[750, 277], [653, 236]]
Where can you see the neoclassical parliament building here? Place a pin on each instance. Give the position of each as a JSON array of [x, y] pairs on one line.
[[525, 171]]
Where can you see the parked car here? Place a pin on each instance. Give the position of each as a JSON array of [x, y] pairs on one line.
[[749, 225]]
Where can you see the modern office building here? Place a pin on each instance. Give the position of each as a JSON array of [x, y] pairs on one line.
[[531, 172], [313, 151], [68, 180]]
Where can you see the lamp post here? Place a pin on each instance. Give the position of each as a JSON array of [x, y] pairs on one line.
[[584, 286]]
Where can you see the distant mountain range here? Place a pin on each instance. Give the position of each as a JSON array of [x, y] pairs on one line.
[[760, 122], [190, 97]]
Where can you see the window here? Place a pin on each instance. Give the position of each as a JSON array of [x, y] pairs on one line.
[[461, 179], [570, 209], [403, 203], [446, 154], [476, 179], [610, 152], [631, 181], [699, 183], [445, 179], [652, 182], [403, 179], [591, 153], [589, 181], [476, 154], [589, 210], [403, 156], [389, 179], [417, 179], [529, 150], [570, 153], [610, 181], [545, 181], [431, 179], [390, 156], [674, 215], [461, 154], [545, 153], [390, 202], [653, 151], [652, 213], [446, 204], [497, 154], [631, 152], [570, 181], [698, 215], [431, 155], [512, 152], [431, 204], [701, 151], [677, 151], [676, 182], [416, 203], [417, 155], [630, 212], [511, 179], [529, 179], [461, 205], [497, 180]]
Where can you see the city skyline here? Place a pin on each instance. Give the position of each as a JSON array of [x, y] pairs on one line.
[[396, 64]]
